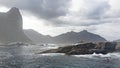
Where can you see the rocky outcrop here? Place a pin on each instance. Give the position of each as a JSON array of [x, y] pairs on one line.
[[110, 46], [85, 48], [11, 27]]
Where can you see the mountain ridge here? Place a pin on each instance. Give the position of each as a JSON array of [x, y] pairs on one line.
[[67, 38]]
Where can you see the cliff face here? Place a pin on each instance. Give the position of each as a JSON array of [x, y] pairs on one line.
[[11, 29]]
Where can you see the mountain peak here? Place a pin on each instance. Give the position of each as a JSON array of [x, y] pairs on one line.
[[71, 32], [14, 9], [66, 38], [11, 27], [84, 31]]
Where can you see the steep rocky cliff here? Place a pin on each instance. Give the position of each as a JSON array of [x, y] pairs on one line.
[[11, 27]]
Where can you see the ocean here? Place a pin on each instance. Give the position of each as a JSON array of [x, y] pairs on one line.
[[28, 57]]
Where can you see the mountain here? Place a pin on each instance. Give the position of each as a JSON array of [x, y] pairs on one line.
[[37, 37], [66, 38], [117, 40], [11, 27], [74, 37]]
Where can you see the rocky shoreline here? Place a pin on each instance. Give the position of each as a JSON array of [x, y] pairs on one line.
[[85, 48]]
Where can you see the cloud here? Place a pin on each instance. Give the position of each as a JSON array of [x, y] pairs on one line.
[[45, 9], [88, 13], [91, 9], [108, 30], [98, 16], [60, 12], [63, 12]]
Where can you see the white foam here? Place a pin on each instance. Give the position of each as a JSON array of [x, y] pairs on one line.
[[111, 55], [5, 55], [55, 47], [52, 54]]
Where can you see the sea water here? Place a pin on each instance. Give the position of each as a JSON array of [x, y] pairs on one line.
[[29, 57]]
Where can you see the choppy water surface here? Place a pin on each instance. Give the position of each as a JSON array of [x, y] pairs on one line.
[[26, 57]]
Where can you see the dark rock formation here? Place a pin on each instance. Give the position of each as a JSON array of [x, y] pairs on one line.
[[85, 48], [110, 46], [11, 27], [118, 46]]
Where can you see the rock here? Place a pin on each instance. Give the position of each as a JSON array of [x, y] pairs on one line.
[[85, 48], [79, 51], [118, 46], [73, 50], [49, 51], [98, 51], [109, 46], [86, 45], [100, 45], [11, 27]]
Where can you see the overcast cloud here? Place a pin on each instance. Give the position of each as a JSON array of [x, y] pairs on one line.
[[45, 9], [99, 16]]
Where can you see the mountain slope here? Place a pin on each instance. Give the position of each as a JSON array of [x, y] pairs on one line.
[[117, 40], [73, 37], [67, 38], [37, 37]]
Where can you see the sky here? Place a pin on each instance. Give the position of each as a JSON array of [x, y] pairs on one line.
[[54, 17]]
